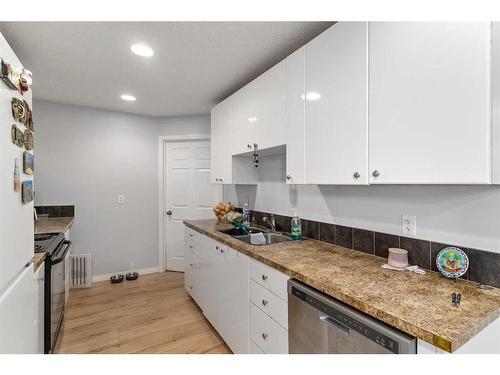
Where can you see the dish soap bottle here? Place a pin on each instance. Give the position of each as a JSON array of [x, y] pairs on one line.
[[246, 214], [296, 226]]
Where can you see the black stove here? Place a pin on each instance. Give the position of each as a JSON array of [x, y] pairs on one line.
[[56, 248], [48, 242]]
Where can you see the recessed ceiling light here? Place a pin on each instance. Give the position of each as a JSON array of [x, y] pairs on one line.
[[142, 50], [128, 98]]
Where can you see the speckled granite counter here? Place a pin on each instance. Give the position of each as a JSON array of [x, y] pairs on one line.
[[418, 305], [53, 224], [38, 259]]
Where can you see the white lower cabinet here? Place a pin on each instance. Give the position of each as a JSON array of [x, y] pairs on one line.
[[235, 300], [269, 336], [268, 295], [216, 277], [39, 282]]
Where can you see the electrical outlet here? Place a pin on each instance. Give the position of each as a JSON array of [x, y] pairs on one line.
[[121, 199], [409, 225]]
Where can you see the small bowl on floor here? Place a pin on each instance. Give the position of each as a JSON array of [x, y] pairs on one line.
[[115, 279], [132, 275]]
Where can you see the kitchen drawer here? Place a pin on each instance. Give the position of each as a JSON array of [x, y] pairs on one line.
[[253, 348], [269, 336], [269, 278], [270, 303]]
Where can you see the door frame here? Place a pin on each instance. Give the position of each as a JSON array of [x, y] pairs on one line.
[[163, 140]]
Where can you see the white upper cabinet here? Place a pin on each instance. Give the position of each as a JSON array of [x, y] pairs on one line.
[[269, 108], [259, 112], [336, 130], [429, 98], [221, 160], [295, 117]]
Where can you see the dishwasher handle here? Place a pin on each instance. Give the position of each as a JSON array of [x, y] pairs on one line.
[[344, 330]]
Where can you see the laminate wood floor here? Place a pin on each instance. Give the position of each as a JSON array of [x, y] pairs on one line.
[[153, 314]]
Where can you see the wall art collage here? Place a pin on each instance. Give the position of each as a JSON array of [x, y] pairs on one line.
[[20, 81]]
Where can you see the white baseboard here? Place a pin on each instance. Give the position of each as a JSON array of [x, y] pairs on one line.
[[142, 271]]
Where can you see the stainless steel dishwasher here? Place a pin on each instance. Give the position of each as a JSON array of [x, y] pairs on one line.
[[319, 324]]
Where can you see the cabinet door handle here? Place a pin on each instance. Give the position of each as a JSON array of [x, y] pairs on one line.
[[220, 179], [264, 277], [265, 336], [221, 251], [356, 175], [248, 145], [190, 235], [376, 173], [288, 177], [264, 302]]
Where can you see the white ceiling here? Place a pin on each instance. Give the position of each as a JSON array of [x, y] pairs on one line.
[[196, 64]]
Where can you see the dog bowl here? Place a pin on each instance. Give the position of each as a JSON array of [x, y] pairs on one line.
[[132, 275], [115, 279]]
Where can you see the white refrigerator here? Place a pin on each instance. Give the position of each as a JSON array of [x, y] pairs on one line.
[[17, 309]]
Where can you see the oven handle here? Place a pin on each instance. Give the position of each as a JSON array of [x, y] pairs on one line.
[[63, 253]]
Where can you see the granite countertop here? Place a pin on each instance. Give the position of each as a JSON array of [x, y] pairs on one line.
[[418, 305], [53, 224], [38, 259]]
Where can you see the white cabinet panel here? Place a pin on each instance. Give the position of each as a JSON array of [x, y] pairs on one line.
[[336, 106], [270, 303], [269, 107], [243, 119], [253, 348], [269, 278], [295, 117], [270, 337], [221, 143], [235, 301], [429, 100], [212, 283]]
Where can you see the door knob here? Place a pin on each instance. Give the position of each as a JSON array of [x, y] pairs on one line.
[[376, 173], [169, 212], [356, 175]]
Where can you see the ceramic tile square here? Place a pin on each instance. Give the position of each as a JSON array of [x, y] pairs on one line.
[[363, 240], [326, 232], [419, 251], [436, 247], [484, 267], [312, 230], [342, 236], [383, 242]]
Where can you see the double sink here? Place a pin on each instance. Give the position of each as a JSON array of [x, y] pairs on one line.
[[270, 237]]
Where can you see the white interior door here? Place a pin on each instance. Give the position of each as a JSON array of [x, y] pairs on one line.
[[189, 195]]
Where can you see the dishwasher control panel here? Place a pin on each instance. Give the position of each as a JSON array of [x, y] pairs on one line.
[[347, 322]]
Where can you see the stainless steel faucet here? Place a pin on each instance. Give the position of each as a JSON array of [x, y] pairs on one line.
[[272, 222]]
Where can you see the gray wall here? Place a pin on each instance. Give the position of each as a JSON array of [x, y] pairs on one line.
[[462, 215], [87, 157]]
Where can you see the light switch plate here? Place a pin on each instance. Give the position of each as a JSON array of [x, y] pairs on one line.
[[121, 199], [409, 225]]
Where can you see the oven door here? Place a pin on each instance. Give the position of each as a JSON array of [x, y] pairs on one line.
[[57, 291]]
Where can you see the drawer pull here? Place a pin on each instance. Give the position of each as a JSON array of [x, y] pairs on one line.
[[264, 277], [190, 246], [264, 302], [264, 336]]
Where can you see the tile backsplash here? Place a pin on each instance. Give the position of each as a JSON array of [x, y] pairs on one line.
[[484, 266], [56, 211]]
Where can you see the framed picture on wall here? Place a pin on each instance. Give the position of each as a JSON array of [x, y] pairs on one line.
[[28, 163], [27, 191]]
